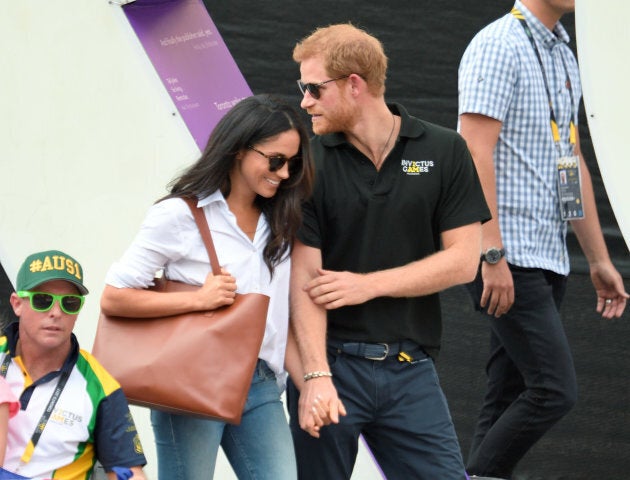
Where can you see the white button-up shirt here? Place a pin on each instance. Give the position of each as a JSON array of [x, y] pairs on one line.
[[169, 240]]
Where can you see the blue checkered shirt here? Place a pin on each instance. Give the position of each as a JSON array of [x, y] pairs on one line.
[[500, 77]]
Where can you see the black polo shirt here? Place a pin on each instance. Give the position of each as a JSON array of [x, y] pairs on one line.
[[365, 220]]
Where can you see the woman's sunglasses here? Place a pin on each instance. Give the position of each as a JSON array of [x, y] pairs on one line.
[[276, 162], [42, 302], [313, 88]]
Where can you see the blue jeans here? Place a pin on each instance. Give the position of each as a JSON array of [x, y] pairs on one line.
[[402, 413], [259, 448], [531, 377]]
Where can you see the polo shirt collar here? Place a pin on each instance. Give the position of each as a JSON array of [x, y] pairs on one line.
[[542, 34], [409, 127]]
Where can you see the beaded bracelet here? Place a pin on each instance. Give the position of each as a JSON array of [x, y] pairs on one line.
[[312, 375]]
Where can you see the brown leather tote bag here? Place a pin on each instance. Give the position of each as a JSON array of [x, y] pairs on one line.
[[198, 363]]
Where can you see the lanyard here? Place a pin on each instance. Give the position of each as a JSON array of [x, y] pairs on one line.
[[63, 378], [552, 116]]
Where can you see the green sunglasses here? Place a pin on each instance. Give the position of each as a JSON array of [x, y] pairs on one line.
[[42, 302]]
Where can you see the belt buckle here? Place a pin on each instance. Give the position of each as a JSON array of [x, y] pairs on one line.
[[384, 356]]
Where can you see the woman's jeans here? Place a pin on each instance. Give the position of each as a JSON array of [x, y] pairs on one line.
[[531, 377], [259, 448]]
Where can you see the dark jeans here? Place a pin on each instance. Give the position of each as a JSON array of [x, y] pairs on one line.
[[402, 413], [531, 377]]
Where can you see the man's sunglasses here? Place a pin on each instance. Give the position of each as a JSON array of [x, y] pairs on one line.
[[42, 302], [276, 162], [313, 88]]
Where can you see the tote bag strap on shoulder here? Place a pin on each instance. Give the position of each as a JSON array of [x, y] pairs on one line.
[[204, 229]]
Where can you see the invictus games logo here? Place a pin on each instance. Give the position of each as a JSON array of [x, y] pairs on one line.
[[65, 417], [416, 167]]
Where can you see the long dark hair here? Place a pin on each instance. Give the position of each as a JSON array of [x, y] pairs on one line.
[[253, 120]]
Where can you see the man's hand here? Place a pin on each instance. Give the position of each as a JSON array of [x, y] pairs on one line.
[[338, 289], [319, 405], [611, 294], [498, 288]]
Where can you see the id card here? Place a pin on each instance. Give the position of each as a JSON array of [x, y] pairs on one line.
[[570, 188]]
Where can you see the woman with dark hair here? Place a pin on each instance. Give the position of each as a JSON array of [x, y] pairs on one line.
[[250, 181]]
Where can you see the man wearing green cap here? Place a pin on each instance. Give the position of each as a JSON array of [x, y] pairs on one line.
[[72, 411]]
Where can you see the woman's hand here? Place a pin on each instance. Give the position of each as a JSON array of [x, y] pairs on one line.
[[217, 291]]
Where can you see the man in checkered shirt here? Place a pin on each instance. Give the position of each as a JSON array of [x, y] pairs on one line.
[[516, 74]]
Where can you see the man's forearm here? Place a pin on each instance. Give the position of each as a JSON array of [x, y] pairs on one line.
[[588, 229], [457, 263], [308, 320]]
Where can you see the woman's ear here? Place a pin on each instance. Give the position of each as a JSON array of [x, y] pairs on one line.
[[238, 159]]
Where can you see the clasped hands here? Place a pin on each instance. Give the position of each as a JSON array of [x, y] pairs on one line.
[[319, 405]]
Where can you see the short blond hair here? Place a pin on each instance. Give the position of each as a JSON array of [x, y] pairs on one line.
[[346, 49]]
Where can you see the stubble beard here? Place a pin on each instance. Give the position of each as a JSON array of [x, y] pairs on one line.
[[339, 120]]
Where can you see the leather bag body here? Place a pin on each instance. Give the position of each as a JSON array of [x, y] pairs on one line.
[[197, 363]]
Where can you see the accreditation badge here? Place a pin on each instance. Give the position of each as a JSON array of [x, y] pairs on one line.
[[570, 188]]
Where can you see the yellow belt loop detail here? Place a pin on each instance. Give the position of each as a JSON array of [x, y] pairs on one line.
[[404, 357]]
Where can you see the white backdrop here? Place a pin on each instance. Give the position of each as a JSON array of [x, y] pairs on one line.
[[603, 37], [88, 140]]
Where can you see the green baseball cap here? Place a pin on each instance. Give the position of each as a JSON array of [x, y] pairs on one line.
[[50, 265]]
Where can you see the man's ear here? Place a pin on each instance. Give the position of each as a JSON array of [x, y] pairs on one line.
[[357, 84], [16, 303]]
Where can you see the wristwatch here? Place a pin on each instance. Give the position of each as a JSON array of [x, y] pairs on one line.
[[493, 255]]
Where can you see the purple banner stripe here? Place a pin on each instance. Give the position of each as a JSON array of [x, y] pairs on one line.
[[191, 59]]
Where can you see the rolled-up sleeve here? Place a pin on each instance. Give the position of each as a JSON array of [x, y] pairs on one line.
[[162, 239]]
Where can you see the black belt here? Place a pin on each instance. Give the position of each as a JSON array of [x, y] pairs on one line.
[[372, 351]]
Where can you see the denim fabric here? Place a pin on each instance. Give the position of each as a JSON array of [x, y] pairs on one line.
[[402, 413], [531, 377], [259, 448]]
